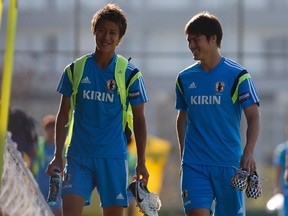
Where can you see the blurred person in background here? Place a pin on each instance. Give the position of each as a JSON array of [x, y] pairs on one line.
[[24, 134], [279, 161], [210, 97], [97, 152], [45, 153]]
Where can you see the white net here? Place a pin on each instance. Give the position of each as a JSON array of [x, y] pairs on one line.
[[20, 194]]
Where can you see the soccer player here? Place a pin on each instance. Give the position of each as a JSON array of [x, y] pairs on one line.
[[210, 97], [279, 161], [97, 153]]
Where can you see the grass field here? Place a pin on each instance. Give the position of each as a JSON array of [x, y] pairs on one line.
[[171, 212]]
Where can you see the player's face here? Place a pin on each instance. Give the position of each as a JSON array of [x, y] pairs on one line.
[[107, 36], [199, 46]]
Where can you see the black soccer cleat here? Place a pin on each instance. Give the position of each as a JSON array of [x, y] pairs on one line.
[[240, 180], [254, 189]]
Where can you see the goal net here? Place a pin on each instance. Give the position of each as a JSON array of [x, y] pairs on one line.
[[19, 193]]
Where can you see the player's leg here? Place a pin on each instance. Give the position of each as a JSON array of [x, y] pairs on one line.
[[229, 200], [113, 211], [197, 191], [198, 212], [131, 201], [111, 178], [72, 205], [78, 185]]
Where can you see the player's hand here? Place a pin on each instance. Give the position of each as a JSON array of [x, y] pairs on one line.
[[56, 162], [142, 173], [248, 162], [278, 190]]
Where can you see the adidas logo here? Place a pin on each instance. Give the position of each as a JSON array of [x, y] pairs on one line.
[[85, 80], [192, 85], [120, 196]]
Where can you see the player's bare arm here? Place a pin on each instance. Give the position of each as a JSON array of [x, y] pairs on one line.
[[140, 132], [60, 134], [181, 124], [252, 114]]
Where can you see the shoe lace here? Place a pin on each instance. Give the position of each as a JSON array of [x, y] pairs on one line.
[[245, 173], [153, 201], [242, 174], [254, 181]]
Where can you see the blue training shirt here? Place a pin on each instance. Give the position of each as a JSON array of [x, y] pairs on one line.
[[279, 159], [214, 102], [97, 130]]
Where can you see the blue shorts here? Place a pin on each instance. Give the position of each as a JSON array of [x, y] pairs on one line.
[[108, 175], [209, 187], [285, 207]]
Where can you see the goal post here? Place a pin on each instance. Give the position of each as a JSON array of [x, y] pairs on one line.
[[1, 10], [7, 74]]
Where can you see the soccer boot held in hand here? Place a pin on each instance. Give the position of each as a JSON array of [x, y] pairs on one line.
[[149, 203], [254, 189], [240, 180]]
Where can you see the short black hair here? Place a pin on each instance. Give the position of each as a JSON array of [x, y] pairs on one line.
[[113, 13], [204, 23]]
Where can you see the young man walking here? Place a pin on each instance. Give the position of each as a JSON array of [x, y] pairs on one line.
[[97, 151], [210, 97]]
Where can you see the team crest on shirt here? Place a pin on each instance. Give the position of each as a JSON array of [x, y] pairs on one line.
[[111, 85], [219, 87]]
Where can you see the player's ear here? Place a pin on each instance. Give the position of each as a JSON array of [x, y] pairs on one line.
[[213, 38]]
